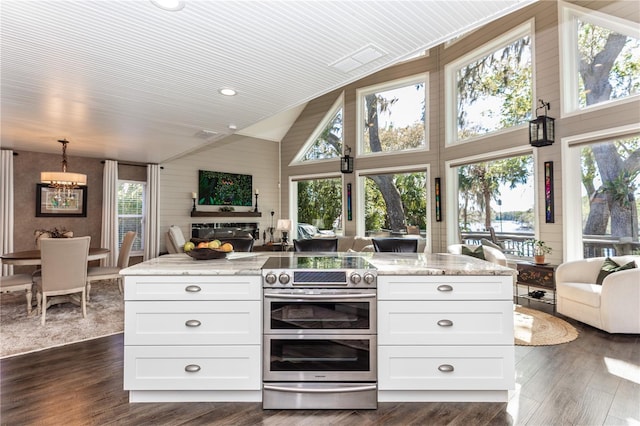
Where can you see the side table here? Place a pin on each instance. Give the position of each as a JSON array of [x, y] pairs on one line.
[[538, 276]]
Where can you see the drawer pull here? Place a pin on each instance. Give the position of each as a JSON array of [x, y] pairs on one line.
[[192, 368], [193, 323], [193, 288], [446, 368], [445, 323], [445, 287]]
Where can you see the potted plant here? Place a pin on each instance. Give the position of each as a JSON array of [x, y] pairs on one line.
[[540, 249]]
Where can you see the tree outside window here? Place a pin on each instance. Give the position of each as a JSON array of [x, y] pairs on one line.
[[319, 205], [131, 212]]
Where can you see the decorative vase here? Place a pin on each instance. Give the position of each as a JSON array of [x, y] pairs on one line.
[[539, 259]]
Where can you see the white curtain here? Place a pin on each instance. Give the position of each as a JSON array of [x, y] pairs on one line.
[[6, 207], [109, 237], [152, 213]]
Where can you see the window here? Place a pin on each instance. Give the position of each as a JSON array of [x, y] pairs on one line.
[[395, 203], [610, 197], [326, 141], [319, 206], [499, 195], [603, 54], [491, 88], [131, 212], [392, 116]]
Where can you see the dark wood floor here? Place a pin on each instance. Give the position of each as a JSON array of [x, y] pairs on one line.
[[594, 380]]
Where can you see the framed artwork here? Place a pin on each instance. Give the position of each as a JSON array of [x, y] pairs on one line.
[[548, 192], [54, 202], [349, 212], [438, 202]]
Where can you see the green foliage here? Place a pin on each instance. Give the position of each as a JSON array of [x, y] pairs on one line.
[[130, 198], [329, 143], [320, 201]]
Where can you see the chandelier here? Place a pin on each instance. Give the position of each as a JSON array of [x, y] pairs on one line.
[[63, 180]]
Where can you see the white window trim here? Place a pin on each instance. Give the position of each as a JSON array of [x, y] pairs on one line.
[[331, 112], [571, 176], [293, 197], [450, 69], [451, 187], [568, 40], [360, 188], [390, 85], [144, 218]]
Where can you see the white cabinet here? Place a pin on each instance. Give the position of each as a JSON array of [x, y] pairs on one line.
[[193, 338], [445, 338]]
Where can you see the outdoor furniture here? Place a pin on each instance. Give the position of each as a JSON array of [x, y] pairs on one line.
[[18, 282], [64, 272], [395, 245], [96, 273]]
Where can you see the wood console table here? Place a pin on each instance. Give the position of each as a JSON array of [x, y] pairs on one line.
[[538, 276]]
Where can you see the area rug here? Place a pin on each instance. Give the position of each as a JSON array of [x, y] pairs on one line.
[[21, 334], [536, 328]]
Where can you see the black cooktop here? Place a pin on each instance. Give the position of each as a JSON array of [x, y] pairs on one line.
[[317, 262]]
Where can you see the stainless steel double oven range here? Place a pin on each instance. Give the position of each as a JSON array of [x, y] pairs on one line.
[[319, 333]]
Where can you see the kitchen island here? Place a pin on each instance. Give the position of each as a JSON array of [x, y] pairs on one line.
[[193, 329]]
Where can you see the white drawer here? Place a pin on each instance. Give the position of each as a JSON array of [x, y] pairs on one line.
[[192, 323], [445, 323], [427, 368], [209, 287], [214, 367], [440, 287]]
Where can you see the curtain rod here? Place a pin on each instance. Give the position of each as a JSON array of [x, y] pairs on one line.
[[132, 164]]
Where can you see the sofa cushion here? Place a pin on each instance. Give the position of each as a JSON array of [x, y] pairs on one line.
[[609, 266], [477, 252], [587, 294], [360, 243], [491, 244]]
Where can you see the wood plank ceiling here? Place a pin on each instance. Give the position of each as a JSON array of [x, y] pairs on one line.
[[129, 81]]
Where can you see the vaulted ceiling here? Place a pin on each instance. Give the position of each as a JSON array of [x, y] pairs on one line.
[[126, 80]]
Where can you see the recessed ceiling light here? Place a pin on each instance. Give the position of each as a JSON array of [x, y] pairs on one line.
[[227, 91], [170, 5]]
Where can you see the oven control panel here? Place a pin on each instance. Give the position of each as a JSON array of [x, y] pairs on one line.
[[294, 278]]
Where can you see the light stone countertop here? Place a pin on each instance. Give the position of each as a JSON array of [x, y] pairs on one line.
[[386, 264]]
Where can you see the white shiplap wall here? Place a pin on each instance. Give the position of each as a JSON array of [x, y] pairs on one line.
[[236, 154]]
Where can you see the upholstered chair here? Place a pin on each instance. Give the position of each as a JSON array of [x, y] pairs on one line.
[[395, 245], [175, 240], [612, 306], [64, 272], [97, 273], [316, 244]]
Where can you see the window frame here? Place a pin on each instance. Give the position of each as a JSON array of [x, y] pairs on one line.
[[331, 112], [360, 201], [293, 197], [390, 85], [450, 91], [571, 175], [451, 187], [142, 216], [568, 14]]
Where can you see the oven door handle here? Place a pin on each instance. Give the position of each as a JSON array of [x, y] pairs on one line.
[[321, 390], [320, 296]]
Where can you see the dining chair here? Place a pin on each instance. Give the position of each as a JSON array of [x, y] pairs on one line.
[[240, 243], [64, 272], [395, 245], [97, 273], [316, 244], [18, 282]]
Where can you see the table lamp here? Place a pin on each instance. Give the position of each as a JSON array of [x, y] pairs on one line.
[[284, 226]]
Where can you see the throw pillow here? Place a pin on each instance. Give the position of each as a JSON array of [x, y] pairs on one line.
[[489, 243], [477, 252], [609, 266]]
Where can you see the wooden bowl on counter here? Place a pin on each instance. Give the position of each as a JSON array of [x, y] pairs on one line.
[[207, 254]]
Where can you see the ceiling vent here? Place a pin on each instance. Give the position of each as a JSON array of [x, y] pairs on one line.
[[205, 134], [359, 58]]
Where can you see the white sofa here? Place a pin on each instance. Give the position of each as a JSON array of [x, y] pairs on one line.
[[490, 254], [613, 306]]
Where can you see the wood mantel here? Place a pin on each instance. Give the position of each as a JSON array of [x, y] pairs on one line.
[[225, 214]]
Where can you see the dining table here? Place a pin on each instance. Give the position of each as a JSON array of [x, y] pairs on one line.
[[34, 257]]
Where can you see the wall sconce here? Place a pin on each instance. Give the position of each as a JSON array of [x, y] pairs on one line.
[[541, 130], [346, 162]]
